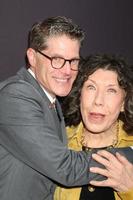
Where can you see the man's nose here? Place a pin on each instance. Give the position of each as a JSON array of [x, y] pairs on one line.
[[67, 67]]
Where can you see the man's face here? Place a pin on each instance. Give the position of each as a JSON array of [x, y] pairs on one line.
[[55, 81]]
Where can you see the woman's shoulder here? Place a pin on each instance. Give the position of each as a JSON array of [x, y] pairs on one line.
[[124, 138]]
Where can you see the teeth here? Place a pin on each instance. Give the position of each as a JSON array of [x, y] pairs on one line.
[[62, 80]]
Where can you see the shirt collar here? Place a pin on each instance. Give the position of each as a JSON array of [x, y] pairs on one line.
[[51, 99]]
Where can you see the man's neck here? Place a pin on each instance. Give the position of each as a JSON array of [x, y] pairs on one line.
[[51, 98]]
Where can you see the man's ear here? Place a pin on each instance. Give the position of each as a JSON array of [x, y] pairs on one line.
[[31, 56]]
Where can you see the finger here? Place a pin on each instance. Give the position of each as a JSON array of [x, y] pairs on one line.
[[122, 159], [100, 171], [114, 161], [106, 154], [100, 183], [106, 183], [100, 159], [111, 163]]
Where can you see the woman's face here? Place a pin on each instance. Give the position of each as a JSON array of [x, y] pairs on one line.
[[101, 101]]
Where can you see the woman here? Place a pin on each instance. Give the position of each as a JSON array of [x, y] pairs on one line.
[[99, 114]]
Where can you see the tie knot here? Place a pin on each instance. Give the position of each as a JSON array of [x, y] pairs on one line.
[[52, 105]]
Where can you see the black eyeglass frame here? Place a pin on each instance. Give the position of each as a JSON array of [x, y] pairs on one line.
[[65, 60]]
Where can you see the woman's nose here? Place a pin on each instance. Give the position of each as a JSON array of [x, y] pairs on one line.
[[99, 99]]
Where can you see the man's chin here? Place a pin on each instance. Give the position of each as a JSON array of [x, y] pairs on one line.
[[62, 93]]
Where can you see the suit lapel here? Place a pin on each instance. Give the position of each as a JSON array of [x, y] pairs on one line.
[[26, 76]]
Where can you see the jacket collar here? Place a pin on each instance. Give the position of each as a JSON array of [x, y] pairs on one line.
[[75, 135], [26, 76]]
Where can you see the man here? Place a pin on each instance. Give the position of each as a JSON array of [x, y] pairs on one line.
[[33, 151], [33, 145]]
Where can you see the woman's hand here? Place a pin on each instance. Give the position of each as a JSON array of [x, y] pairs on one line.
[[118, 170]]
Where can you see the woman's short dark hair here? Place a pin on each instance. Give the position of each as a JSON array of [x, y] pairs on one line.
[[71, 104]]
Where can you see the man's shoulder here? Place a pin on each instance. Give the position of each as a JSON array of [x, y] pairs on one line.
[[23, 85], [19, 82]]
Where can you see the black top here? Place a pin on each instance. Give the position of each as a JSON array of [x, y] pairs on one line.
[[99, 193]]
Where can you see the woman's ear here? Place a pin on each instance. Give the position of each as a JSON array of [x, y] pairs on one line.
[[31, 56], [122, 107]]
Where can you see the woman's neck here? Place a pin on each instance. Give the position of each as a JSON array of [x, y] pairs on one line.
[[103, 139]]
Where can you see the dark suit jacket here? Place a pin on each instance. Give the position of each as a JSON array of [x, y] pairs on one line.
[[33, 144]]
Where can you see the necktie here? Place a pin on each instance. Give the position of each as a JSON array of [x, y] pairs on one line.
[[55, 107], [57, 110]]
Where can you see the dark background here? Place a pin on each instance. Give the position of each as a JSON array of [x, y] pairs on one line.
[[108, 25]]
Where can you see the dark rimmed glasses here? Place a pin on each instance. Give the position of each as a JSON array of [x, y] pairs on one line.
[[59, 62]]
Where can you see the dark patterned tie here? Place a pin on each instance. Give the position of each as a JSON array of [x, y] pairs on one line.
[[55, 107], [57, 110]]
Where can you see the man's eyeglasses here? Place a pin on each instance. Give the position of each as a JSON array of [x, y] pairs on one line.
[[58, 62]]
